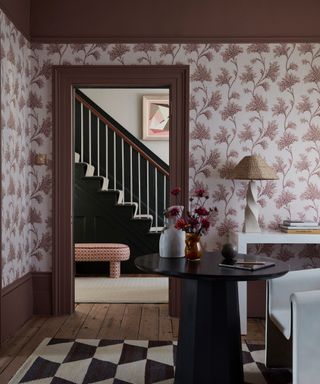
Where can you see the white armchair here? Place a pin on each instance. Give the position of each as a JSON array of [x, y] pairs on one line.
[[293, 325]]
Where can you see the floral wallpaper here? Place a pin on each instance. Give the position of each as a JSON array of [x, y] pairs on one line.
[[244, 99], [15, 153]]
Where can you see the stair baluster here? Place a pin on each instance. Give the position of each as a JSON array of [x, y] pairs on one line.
[[90, 136], [164, 192], [122, 165], [156, 196], [98, 148], [139, 183], [106, 152], [81, 139], [114, 160], [131, 178], [148, 193]]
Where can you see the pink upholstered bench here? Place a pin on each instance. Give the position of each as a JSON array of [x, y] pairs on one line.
[[114, 253]]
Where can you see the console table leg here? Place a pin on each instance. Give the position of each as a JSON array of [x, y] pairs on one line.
[[209, 346]]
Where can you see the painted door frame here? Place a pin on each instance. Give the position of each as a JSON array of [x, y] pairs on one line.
[[1, 200], [65, 79]]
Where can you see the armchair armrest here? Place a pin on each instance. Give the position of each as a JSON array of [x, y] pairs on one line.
[[306, 336], [280, 291]]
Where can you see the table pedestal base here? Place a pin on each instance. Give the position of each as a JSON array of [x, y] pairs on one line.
[[209, 346]]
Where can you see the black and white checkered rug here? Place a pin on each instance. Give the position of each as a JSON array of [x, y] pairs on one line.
[[86, 361]]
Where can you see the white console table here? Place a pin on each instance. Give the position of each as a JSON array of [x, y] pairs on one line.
[[241, 241]]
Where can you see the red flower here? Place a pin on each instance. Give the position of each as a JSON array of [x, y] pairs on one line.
[[200, 192], [205, 224], [173, 212], [193, 221], [181, 224], [175, 191], [202, 211]]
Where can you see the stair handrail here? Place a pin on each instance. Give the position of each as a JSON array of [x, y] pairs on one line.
[[121, 134]]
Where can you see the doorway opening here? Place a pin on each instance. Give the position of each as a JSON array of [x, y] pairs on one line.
[[66, 80], [121, 188]]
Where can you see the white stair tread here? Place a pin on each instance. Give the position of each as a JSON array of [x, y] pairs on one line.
[[90, 170], [120, 198], [105, 183], [156, 229], [135, 206], [143, 216]]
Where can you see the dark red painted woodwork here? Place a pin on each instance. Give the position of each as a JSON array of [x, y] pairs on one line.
[[174, 21], [30, 294], [65, 78], [18, 11]]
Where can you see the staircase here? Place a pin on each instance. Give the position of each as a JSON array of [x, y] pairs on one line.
[[120, 187]]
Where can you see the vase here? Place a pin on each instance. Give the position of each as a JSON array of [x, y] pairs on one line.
[[172, 240], [193, 250]]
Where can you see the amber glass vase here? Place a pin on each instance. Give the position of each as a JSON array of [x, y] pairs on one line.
[[193, 250]]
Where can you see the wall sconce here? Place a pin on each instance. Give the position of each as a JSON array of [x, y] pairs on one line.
[[40, 159]]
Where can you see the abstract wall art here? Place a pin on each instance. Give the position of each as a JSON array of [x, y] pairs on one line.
[[155, 115]]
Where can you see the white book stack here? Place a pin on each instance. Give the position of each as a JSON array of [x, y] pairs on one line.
[[297, 226]]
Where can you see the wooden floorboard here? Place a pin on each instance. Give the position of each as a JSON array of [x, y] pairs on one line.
[[93, 322], [165, 323], [130, 324], [11, 348], [109, 321], [74, 322], [149, 324], [111, 326], [49, 329]]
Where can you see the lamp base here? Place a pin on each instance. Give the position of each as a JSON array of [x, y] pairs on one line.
[[251, 213]]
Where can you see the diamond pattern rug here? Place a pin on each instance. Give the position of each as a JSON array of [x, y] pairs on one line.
[[86, 361]]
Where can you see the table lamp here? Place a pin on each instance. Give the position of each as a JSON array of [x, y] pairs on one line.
[[252, 168]]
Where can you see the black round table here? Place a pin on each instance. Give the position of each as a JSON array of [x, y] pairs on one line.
[[209, 345]]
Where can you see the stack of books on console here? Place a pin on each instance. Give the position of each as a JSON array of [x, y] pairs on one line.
[[296, 226]]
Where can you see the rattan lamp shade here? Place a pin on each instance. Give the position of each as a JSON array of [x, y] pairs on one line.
[[253, 168]]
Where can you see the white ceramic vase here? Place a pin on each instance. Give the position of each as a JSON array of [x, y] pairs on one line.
[[172, 240]]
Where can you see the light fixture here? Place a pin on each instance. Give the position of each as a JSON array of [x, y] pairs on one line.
[[252, 168], [40, 159]]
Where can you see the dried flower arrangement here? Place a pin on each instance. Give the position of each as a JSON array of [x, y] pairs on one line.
[[197, 220]]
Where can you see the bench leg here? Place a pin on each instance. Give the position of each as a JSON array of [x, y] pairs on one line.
[[115, 269]]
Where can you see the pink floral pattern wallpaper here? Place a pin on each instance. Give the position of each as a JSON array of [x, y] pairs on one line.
[[244, 99], [16, 236]]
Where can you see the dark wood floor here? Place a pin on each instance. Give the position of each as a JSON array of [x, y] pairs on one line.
[[109, 321]]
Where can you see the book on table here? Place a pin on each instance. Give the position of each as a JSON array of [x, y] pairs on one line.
[[298, 223], [302, 231], [247, 265], [302, 227]]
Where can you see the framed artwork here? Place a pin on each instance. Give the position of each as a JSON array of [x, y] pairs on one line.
[[156, 115]]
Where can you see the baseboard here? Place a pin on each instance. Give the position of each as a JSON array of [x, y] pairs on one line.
[[17, 305], [29, 295], [42, 293]]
